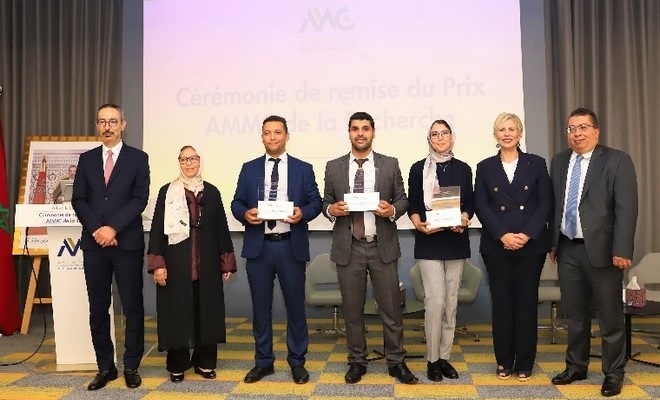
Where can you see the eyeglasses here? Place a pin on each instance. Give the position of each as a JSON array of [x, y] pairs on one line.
[[191, 159], [578, 128], [443, 134], [112, 122]]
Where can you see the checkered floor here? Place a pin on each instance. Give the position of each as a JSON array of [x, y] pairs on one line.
[[326, 363]]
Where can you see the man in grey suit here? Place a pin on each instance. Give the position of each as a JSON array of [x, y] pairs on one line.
[[367, 242], [593, 240]]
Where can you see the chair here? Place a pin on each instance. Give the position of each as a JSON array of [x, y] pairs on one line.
[[549, 291], [647, 275], [322, 289], [467, 293]]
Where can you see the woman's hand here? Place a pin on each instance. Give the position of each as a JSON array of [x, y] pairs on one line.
[[160, 276]]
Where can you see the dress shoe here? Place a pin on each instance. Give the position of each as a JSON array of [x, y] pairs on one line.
[[355, 372], [568, 376], [611, 386], [433, 371], [257, 373], [176, 378], [132, 378], [300, 374], [448, 370], [102, 378], [206, 374], [403, 374]]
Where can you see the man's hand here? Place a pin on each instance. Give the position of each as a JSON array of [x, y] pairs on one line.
[[105, 236], [339, 209], [384, 209], [252, 216], [621, 263], [295, 218]]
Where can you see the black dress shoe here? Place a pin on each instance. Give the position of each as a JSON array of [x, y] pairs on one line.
[[176, 378], [206, 374], [257, 373], [132, 378], [568, 376], [448, 370], [300, 374], [433, 371], [355, 372], [403, 374], [102, 378], [611, 386]]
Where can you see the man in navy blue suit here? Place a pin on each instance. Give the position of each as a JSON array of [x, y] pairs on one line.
[[277, 248], [110, 192]]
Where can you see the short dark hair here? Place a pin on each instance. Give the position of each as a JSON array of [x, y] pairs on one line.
[[112, 105], [276, 118], [581, 111], [443, 122], [361, 115]]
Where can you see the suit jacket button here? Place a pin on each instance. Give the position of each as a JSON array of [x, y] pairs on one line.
[[526, 187], [502, 208], [522, 207], [495, 189], [105, 198]]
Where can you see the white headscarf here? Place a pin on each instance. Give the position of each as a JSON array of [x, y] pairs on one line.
[[177, 215], [430, 173]]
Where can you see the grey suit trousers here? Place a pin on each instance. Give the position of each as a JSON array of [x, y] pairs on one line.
[[385, 282]]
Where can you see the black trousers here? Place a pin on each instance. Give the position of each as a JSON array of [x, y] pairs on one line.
[[203, 356], [514, 283]]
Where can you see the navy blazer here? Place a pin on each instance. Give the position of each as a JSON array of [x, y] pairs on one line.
[[443, 245], [523, 206], [119, 204], [301, 189]]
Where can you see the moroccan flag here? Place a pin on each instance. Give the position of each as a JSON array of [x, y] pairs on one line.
[[10, 320]]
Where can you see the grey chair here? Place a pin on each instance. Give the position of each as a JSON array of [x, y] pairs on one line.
[[648, 277], [549, 292], [322, 289], [467, 293]]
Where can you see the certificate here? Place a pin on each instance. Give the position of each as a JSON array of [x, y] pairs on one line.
[[274, 210], [362, 201], [445, 208]]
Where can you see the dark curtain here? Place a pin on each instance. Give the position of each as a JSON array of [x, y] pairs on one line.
[[603, 54]]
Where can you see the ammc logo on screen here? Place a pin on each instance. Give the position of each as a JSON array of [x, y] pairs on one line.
[[70, 246], [337, 20]]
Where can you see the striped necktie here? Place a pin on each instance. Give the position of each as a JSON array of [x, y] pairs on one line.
[[572, 199]]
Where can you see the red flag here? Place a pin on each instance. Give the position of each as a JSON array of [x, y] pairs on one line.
[[10, 319]]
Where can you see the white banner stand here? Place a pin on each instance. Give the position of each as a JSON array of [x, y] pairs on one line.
[[73, 341]]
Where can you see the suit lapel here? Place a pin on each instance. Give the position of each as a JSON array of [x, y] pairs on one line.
[[343, 173], [594, 165], [292, 177], [378, 165], [119, 163]]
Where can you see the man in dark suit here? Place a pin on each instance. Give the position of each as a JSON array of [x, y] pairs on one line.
[[110, 192], [277, 248], [593, 234], [367, 242]]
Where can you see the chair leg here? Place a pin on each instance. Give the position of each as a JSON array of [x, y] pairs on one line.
[[553, 323], [463, 330], [335, 330]]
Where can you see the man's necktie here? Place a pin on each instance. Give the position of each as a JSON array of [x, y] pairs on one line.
[[274, 181], [358, 187], [109, 165], [572, 199]]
